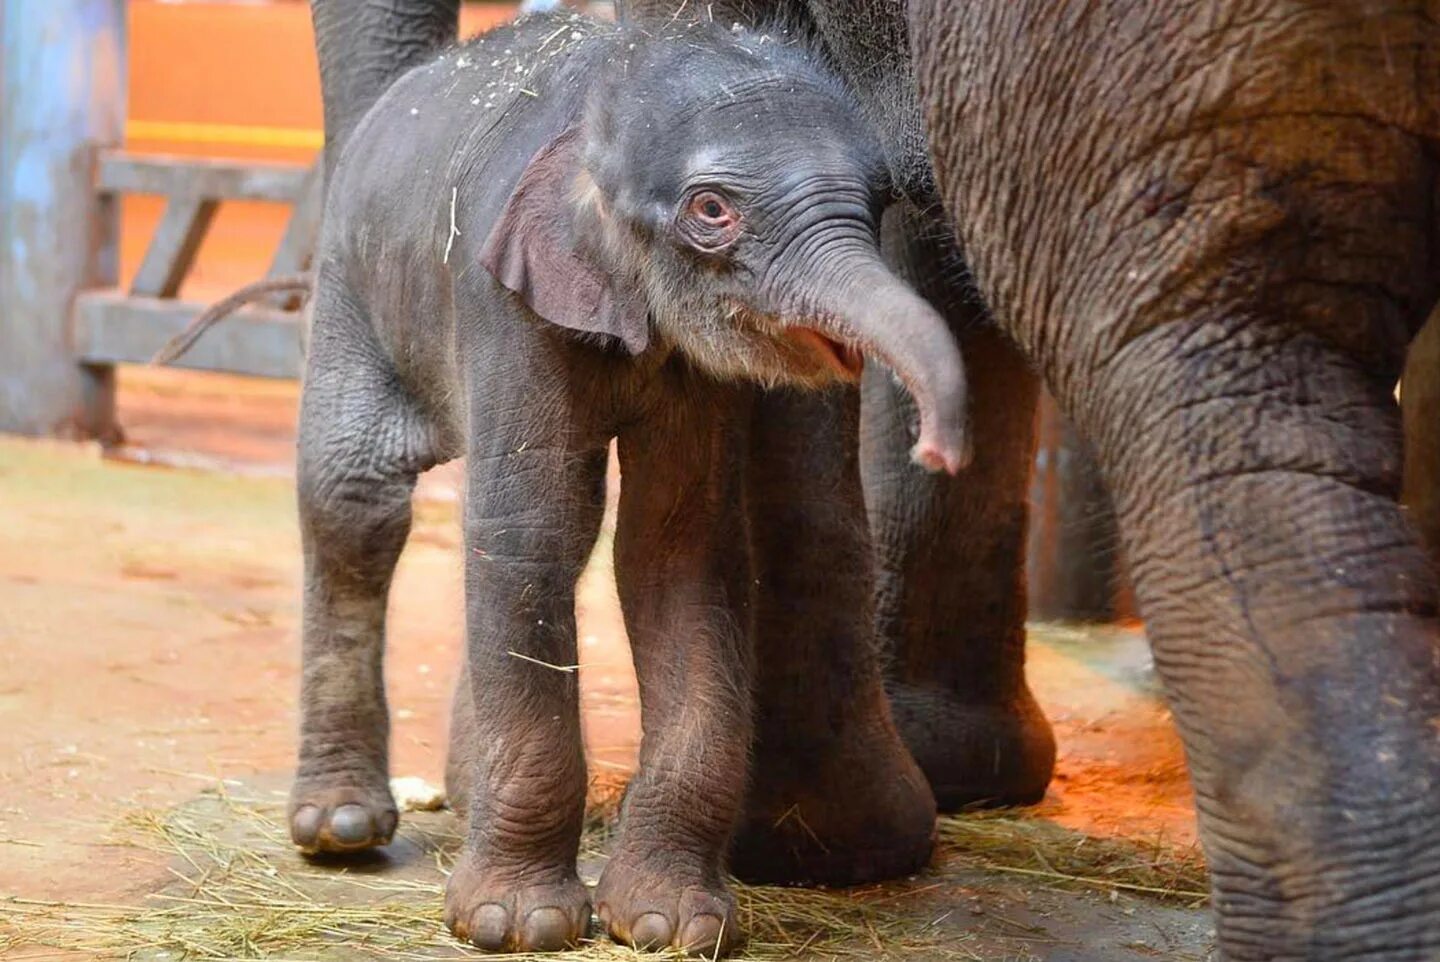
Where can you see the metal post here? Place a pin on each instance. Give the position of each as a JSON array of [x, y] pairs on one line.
[[62, 94], [1074, 573]]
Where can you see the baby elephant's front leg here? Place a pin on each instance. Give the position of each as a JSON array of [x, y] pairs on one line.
[[683, 571], [532, 512]]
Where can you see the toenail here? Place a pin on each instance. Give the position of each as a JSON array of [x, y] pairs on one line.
[[702, 933], [651, 931], [350, 825], [488, 927], [546, 930], [305, 825]]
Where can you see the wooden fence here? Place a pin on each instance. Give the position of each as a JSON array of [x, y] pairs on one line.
[[113, 326]]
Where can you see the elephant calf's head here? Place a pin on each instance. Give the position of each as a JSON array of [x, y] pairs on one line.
[[723, 191]]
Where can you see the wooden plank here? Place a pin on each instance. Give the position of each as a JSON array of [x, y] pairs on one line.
[[62, 91], [297, 245], [113, 328], [173, 247], [1420, 402], [125, 173]]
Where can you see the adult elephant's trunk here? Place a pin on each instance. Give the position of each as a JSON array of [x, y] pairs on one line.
[[865, 305], [363, 45]]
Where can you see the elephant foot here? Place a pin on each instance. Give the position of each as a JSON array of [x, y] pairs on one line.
[[656, 908], [843, 811], [976, 755], [344, 818], [501, 914]]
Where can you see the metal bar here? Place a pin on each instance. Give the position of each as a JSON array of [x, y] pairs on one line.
[[1073, 565], [112, 328], [62, 92], [173, 248], [124, 173]]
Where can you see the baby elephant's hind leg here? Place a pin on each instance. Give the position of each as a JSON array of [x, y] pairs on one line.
[[360, 449]]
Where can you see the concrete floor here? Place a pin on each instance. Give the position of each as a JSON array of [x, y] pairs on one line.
[[148, 620]]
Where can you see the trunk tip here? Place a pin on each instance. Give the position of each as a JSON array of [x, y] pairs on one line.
[[935, 456]]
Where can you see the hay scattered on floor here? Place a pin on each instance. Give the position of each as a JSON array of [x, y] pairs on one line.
[[240, 892], [1049, 854]]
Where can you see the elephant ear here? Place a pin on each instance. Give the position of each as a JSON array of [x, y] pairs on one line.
[[531, 250]]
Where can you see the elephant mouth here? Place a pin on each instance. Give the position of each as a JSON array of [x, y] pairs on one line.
[[847, 362]]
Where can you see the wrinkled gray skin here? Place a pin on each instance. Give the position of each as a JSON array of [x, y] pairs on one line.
[[1421, 402], [1213, 230], [950, 553], [1218, 274], [555, 235], [835, 797]]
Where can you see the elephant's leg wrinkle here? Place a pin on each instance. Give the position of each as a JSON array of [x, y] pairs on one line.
[[683, 576], [361, 446], [835, 797], [950, 559], [1292, 614], [534, 497]]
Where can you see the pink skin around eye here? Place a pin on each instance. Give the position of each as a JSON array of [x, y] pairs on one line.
[[712, 221], [712, 209]]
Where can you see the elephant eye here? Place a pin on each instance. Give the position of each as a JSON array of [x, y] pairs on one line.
[[709, 221], [712, 209]]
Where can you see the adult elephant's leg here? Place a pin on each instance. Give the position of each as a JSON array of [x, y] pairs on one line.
[[363, 45], [950, 599], [835, 797], [1218, 274], [1420, 399], [1292, 615]]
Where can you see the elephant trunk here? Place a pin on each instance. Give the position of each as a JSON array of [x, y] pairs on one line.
[[867, 306]]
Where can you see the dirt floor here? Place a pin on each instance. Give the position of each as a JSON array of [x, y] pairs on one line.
[[148, 665]]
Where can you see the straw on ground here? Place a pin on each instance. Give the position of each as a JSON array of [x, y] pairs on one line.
[[241, 893]]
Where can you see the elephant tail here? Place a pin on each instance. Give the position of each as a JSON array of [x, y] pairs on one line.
[[182, 342]]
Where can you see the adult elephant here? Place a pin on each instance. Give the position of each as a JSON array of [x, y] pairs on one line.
[[1214, 230]]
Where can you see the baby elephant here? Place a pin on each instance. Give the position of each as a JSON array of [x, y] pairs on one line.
[[561, 233]]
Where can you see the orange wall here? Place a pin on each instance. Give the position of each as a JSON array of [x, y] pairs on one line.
[[249, 65]]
